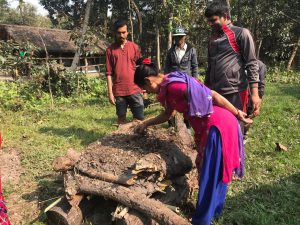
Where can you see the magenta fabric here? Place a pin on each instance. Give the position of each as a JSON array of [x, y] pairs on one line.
[[221, 118], [199, 97]]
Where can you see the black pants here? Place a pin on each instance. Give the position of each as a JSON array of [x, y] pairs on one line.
[[134, 101]]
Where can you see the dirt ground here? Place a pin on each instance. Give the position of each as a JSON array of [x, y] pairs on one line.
[[11, 172]]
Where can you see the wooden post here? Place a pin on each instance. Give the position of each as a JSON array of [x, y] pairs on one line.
[[60, 59], [294, 52], [86, 65]]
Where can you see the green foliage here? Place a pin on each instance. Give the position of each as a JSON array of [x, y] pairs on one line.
[[35, 81], [274, 24], [17, 59], [278, 75], [28, 95], [25, 14], [64, 14]]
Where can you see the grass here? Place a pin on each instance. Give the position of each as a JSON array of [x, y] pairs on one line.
[[269, 194]]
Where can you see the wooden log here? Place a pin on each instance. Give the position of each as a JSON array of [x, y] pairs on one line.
[[150, 207], [125, 179], [64, 214], [136, 218], [67, 162]]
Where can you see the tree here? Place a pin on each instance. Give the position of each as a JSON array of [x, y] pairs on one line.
[[28, 17], [64, 13], [21, 8], [83, 31]]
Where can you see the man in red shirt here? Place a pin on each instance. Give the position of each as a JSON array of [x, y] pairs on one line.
[[120, 67]]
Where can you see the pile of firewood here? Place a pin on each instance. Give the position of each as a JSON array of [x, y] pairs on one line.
[[129, 179]]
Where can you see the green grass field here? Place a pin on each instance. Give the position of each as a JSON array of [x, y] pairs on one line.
[[268, 195]]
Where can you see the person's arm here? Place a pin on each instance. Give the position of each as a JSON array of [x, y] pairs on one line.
[[251, 65], [219, 100], [109, 73], [194, 63], [164, 116]]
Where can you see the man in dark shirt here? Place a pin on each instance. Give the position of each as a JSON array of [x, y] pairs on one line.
[[232, 63], [120, 67], [182, 56]]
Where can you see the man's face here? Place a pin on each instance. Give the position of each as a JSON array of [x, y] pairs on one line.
[[179, 40], [216, 22], [121, 34]]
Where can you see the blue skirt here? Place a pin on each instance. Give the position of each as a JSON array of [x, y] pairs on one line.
[[212, 191]]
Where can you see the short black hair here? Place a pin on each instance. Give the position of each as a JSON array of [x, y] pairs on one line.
[[142, 71], [119, 23], [217, 9]]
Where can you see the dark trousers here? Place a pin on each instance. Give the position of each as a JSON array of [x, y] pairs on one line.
[[135, 103], [237, 101]]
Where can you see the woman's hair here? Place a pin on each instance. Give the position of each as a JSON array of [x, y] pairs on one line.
[[144, 68]]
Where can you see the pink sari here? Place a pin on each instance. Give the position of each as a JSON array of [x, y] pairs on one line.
[[221, 118]]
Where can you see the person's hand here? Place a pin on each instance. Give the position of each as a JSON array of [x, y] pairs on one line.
[[140, 128], [243, 117], [111, 98], [256, 101]]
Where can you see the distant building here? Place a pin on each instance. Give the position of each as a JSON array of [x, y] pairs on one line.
[[58, 43]]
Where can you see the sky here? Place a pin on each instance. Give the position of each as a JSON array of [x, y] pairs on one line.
[[40, 9]]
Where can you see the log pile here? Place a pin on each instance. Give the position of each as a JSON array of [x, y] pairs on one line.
[[129, 179]]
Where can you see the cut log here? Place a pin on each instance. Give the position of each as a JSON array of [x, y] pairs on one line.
[[151, 208], [125, 179], [134, 217], [64, 214], [67, 162]]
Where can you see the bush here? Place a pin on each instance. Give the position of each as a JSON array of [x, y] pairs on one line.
[[25, 94], [277, 75]]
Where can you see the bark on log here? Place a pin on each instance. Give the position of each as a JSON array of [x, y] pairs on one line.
[[64, 214], [152, 208], [134, 217], [67, 162], [125, 179]]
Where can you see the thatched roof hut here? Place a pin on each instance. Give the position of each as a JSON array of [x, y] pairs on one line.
[[57, 41]]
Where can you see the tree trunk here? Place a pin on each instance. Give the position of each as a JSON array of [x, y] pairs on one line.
[[132, 199], [48, 70], [239, 13], [139, 16], [258, 49], [294, 52], [130, 20], [170, 30], [21, 7], [158, 48], [83, 31]]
